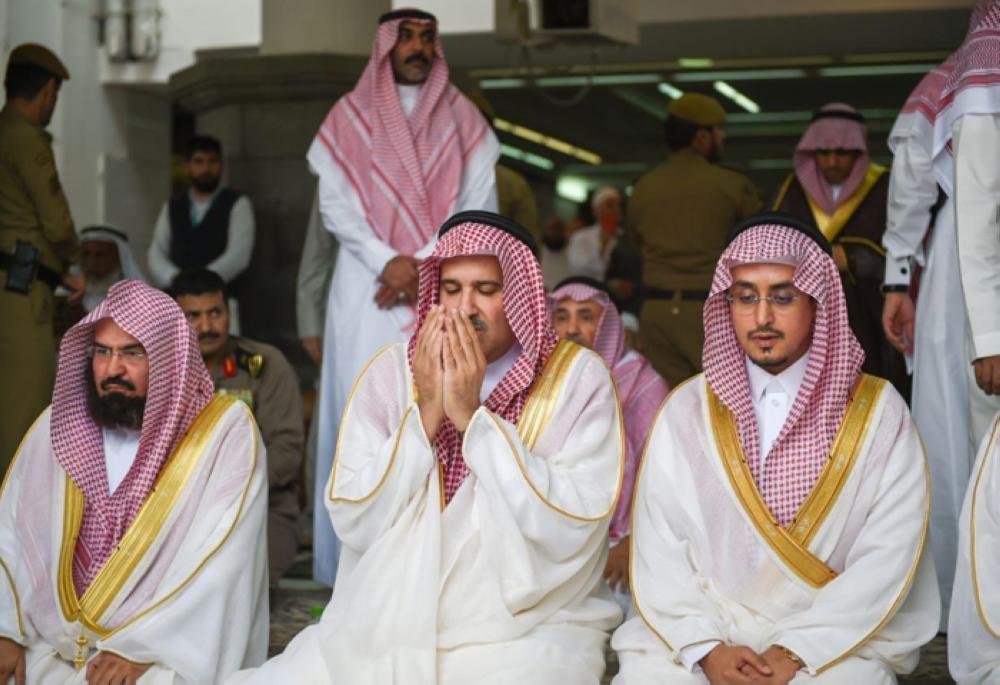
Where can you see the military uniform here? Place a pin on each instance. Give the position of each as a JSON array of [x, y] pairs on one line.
[[259, 375], [679, 216], [515, 200], [33, 209]]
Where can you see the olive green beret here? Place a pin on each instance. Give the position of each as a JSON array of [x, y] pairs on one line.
[[698, 109], [39, 56]]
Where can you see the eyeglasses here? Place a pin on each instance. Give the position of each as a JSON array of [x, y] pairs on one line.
[[746, 302], [130, 355]]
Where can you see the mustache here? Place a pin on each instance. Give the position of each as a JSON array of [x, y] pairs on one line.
[[119, 381], [208, 335], [765, 330], [417, 57], [478, 323]]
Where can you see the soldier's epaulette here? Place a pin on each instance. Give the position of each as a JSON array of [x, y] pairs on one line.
[[250, 362]]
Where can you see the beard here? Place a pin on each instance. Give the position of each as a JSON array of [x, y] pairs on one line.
[[114, 409], [205, 183]]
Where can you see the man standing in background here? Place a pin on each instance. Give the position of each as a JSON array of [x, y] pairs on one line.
[[679, 215], [395, 157], [37, 241]]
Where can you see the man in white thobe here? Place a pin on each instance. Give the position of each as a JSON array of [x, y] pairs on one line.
[[974, 622], [475, 476], [395, 157], [132, 520], [960, 283], [781, 506]]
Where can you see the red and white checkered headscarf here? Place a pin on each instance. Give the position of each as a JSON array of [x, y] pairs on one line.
[[641, 389], [179, 388], [830, 133], [407, 172], [801, 449], [972, 85], [524, 305]]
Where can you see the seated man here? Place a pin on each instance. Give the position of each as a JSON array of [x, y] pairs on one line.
[[582, 311], [105, 259], [476, 471], [974, 620], [781, 508], [259, 375], [132, 518]]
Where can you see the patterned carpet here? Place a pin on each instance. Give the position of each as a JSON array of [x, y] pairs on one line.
[[297, 602]]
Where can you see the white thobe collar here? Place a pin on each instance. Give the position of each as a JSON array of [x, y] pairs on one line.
[[773, 396], [497, 370], [835, 190], [120, 447], [408, 93]]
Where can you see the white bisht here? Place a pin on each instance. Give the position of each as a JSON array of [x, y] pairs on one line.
[[974, 622], [186, 588], [488, 576]]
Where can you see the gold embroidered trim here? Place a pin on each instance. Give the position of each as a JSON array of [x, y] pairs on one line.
[[843, 455], [831, 226], [544, 392], [972, 536], [782, 192], [385, 474], [799, 559], [143, 530]]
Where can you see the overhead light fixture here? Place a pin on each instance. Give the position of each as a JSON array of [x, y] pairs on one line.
[[672, 92], [539, 138], [572, 188], [695, 62], [501, 83], [736, 96], [877, 70], [527, 157], [740, 75], [780, 164]]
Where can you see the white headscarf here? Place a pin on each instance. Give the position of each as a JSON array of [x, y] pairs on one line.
[[128, 268]]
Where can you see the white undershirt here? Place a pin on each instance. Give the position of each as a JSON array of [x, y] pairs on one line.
[[497, 370], [120, 448], [773, 396], [408, 95], [835, 190]]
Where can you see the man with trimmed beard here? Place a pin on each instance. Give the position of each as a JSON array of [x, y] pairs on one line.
[[781, 507], [476, 471], [207, 226], [132, 521]]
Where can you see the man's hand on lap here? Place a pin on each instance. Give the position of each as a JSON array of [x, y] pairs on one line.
[[988, 374], [735, 665], [11, 662], [428, 374], [111, 669], [784, 666], [464, 369], [616, 568]]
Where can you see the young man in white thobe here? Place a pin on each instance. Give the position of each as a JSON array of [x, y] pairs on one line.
[[953, 331], [974, 622], [477, 469], [395, 157], [132, 520], [781, 507]]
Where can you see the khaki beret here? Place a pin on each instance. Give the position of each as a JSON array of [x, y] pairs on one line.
[[39, 56], [698, 109]]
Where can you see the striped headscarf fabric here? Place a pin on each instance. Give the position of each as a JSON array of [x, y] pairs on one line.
[[830, 133], [641, 389], [406, 172], [179, 388], [524, 305], [801, 449]]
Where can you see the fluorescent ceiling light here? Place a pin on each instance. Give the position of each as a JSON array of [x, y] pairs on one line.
[[880, 70], [501, 83], [672, 92], [695, 62], [740, 75], [527, 157], [572, 188], [539, 138], [800, 115], [781, 163], [736, 96], [599, 80]]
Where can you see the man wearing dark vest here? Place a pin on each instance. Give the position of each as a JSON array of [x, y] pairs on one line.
[[209, 226], [837, 189]]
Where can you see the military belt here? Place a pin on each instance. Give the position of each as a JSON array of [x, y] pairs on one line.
[[50, 277]]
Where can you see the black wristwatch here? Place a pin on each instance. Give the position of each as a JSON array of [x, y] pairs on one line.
[[894, 288]]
